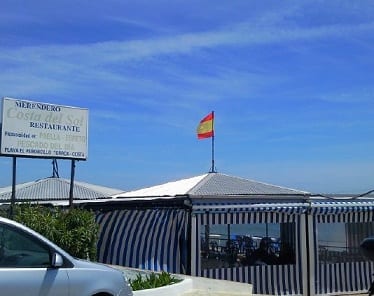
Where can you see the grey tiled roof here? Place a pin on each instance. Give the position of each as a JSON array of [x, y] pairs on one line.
[[56, 189], [211, 184], [221, 184]]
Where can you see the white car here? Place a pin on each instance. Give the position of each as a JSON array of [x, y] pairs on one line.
[[32, 265]]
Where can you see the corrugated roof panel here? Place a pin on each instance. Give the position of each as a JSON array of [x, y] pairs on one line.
[[56, 189]]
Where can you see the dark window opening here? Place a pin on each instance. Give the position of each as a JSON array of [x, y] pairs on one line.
[[236, 245], [340, 242]]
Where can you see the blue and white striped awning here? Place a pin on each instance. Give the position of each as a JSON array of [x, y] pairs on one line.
[[286, 208], [342, 211], [341, 206], [312, 207]]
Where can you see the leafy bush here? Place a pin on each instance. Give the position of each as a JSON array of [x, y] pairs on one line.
[[74, 230], [152, 280]]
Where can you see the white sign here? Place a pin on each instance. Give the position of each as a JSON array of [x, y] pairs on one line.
[[34, 129]]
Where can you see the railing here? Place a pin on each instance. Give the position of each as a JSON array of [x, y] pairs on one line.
[[336, 254]]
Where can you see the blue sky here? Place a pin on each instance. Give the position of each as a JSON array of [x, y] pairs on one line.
[[291, 84]]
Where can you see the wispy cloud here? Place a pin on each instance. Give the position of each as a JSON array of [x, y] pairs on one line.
[[353, 95], [70, 68], [52, 66], [116, 51]]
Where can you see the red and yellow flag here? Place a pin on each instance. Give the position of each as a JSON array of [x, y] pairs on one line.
[[206, 127]]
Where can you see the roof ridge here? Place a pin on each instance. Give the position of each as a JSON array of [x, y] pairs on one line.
[[207, 176]]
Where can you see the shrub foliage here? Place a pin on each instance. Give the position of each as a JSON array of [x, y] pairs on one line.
[[152, 280], [74, 230]]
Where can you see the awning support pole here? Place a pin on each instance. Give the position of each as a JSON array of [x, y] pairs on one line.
[[308, 254]]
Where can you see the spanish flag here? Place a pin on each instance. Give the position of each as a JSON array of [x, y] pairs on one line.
[[206, 127]]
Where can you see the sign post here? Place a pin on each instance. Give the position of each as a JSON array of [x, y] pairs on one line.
[[71, 192], [13, 197]]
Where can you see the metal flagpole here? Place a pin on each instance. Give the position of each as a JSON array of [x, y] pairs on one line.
[[212, 170]]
